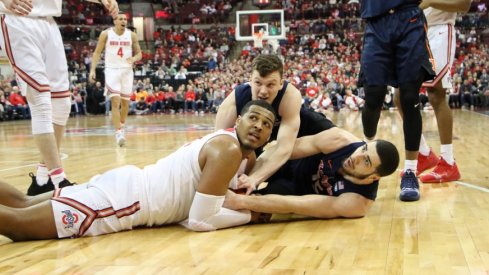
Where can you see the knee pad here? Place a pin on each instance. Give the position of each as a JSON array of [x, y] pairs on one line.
[[61, 110], [374, 97], [41, 111]]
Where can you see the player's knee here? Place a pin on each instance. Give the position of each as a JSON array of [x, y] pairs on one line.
[[61, 110], [436, 97], [374, 97], [41, 112]]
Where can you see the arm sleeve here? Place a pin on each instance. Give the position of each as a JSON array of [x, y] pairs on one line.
[[207, 214]]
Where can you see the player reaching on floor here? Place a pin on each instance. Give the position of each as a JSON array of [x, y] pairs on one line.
[[34, 47], [441, 17], [190, 183], [331, 174], [121, 51]]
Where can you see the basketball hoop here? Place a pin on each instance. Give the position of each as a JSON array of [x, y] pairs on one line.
[[258, 40]]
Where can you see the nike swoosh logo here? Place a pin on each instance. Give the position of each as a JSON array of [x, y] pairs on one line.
[[416, 106], [440, 33]]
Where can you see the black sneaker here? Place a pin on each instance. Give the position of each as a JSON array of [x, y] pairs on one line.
[[35, 189], [65, 183]]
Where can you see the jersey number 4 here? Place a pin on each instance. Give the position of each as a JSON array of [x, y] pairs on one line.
[[120, 52]]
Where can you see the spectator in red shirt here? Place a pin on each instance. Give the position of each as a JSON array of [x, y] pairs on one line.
[[190, 98], [18, 102]]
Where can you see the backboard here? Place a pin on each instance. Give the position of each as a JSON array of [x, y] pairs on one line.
[[269, 22]]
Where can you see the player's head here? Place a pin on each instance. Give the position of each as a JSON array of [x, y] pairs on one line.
[[266, 78], [120, 21], [373, 160], [255, 123]]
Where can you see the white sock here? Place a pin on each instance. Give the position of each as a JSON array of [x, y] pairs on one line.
[[423, 147], [57, 175], [42, 174], [446, 152], [411, 165]]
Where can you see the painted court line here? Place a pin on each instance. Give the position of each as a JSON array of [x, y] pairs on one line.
[[472, 186], [63, 157]]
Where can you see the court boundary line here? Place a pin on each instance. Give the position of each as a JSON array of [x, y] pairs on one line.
[[63, 156], [469, 185]]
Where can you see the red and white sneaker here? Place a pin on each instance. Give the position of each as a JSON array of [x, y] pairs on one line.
[[425, 163], [443, 172]]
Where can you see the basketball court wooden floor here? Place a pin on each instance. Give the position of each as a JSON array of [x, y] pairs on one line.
[[446, 232]]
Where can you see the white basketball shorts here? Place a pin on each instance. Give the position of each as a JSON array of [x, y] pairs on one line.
[[35, 50], [442, 44], [108, 203], [119, 82]]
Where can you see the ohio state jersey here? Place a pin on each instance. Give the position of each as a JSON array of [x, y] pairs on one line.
[[118, 49]]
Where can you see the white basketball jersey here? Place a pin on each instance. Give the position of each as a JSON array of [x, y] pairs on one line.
[[172, 181], [39, 8], [117, 49], [438, 17]]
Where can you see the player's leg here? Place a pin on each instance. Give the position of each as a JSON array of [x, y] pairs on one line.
[[413, 57], [426, 157], [115, 101], [376, 73], [17, 223], [374, 98], [57, 73], [126, 91]]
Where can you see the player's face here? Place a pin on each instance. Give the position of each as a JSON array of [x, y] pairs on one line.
[[254, 128], [265, 88], [120, 21], [363, 162]]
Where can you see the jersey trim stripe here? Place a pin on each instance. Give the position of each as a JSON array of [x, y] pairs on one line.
[[438, 77], [29, 80]]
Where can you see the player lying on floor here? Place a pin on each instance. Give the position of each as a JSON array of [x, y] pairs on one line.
[[190, 183], [330, 174]]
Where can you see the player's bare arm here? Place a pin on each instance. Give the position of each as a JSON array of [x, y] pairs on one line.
[[271, 160], [447, 5], [226, 117], [347, 205], [136, 49], [18, 7], [102, 40], [219, 160], [325, 142]]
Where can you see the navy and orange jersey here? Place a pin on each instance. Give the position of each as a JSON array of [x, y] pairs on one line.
[[373, 8], [318, 174]]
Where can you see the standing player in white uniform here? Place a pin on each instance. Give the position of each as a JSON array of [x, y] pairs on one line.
[[190, 183], [121, 51], [440, 16], [34, 47]]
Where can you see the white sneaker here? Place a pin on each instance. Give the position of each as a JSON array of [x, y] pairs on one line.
[[120, 139]]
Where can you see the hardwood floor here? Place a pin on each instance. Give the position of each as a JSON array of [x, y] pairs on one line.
[[443, 233]]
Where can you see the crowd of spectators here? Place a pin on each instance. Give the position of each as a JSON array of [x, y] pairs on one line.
[[190, 70]]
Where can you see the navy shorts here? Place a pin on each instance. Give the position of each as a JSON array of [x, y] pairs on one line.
[[396, 49]]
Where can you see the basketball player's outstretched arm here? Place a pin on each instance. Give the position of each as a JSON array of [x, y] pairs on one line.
[[272, 159], [226, 117], [347, 205]]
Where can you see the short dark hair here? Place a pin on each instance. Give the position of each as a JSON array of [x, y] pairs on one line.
[[259, 102], [389, 157], [266, 64]]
